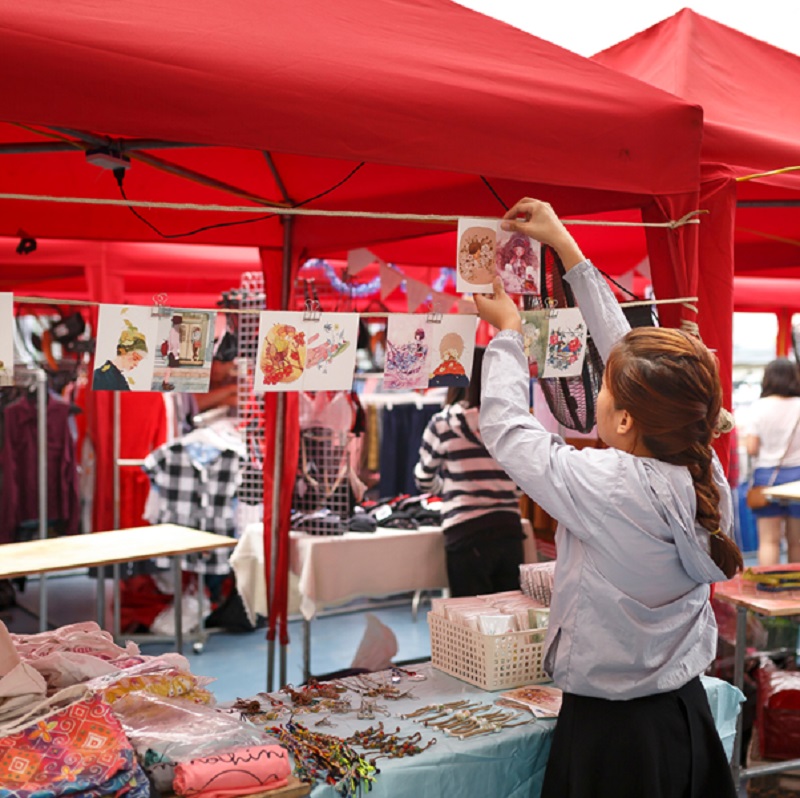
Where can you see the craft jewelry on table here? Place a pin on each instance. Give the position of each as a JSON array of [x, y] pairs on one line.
[[324, 757], [437, 708], [390, 745]]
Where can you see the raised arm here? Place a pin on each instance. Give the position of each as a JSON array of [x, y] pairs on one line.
[[604, 317]]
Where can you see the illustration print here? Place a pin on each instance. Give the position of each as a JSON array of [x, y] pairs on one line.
[[297, 353], [185, 350], [477, 239], [331, 352], [126, 336], [535, 329], [407, 345], [282, 351], [453, 347], [566, 343], [518, 262]]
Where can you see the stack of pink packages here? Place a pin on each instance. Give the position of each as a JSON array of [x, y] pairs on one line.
[[494, 613]]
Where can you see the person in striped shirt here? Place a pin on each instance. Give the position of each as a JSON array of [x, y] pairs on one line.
[[480, 505]]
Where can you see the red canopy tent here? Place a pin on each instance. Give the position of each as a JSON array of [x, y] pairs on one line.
[[360, 105], [750, 125]]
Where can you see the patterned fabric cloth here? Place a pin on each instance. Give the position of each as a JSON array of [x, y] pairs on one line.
[[195, 486], [79, 750]]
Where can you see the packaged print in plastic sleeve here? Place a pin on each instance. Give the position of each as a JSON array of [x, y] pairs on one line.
[[542, 700]]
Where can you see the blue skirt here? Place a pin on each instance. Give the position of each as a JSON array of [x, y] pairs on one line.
[[762, 476]]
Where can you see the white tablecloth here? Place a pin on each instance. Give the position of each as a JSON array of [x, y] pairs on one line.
[[334, 569]]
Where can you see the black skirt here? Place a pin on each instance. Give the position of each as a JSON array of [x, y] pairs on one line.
[[658, 746]]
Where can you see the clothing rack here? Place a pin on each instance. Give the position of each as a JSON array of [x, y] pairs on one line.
[[36, 379]]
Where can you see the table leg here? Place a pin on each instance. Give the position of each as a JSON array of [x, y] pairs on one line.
[[738, 681], [178, 603], [271, 665], [43, 602], [101, 596], [306, 649], [117, 607]]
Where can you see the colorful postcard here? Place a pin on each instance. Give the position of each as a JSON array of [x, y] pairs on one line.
[[124, 358], [185, 351], [296, 353], [407, 347], [535, 329], [452, 350], [518, 262], [543, 701], [7, 338], [477, 239], [331, 352], [566, 343], [485, 250]]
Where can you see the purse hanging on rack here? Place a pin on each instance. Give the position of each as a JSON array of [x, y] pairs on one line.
[[756, 494]]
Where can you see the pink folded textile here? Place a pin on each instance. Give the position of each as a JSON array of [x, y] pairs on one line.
[[243, 771]]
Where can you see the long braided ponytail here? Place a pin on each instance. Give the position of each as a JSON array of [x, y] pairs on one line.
[[667, 380]]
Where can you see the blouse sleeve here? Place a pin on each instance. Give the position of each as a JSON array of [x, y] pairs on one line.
[[572, 486], [599, 307]]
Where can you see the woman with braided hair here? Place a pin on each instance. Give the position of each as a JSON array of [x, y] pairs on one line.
[[643, 532]]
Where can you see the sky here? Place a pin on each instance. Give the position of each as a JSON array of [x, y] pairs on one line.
[[588, 26]]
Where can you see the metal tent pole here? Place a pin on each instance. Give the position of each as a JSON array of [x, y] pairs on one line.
[[41, 412]]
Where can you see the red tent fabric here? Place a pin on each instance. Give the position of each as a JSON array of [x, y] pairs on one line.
[[746, 89], [289, 100]]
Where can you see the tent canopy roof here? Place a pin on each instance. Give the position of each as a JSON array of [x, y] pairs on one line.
[[747, 90], [745, 87], [430, 95]]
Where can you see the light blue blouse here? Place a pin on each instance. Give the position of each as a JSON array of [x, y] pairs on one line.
[[630, 613]]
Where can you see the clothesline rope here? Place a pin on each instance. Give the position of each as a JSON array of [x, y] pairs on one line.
[[689, 218], [37, 300], [755, 176]]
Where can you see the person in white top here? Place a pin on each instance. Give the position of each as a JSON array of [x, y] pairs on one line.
[[643, 532], [773, 443]]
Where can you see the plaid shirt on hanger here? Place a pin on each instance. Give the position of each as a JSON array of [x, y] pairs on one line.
[[196, 487]]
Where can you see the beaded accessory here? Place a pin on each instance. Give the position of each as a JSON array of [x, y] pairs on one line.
[[323, 757], [389, 744]]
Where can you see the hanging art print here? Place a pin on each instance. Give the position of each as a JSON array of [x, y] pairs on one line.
[[477, 239], [184, 352], [297, 353], [7, 340], [535, 330], [485, 250], [407, 346], [518, 262], [452, 350], [125, 352], [566, 343]]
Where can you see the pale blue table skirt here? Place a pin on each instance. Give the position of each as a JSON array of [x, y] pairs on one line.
[[509, 764]]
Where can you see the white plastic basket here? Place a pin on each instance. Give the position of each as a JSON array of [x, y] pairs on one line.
[[492, 662]]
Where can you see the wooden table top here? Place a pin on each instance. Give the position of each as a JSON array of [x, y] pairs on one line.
[[743, 593], [105, 548]]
